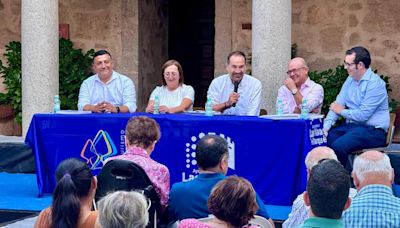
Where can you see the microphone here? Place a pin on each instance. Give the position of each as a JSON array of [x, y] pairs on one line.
[[236, 86]]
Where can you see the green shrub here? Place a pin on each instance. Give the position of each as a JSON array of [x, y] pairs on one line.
[[12, 78], [73, 69]]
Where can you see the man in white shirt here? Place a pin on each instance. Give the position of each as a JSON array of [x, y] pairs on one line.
[[299, 86], [236, 93], [107, 90]]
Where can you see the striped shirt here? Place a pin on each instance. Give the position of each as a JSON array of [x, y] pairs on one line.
[[373, 206]]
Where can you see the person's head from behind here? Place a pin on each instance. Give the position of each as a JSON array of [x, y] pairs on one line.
[[328, 189], [317, 154], [372, 167], [212, 154], [172, 74], [143, 132], [233, 200], [298, 71], [74, 183], [102, 64], [123, 209], [236, 65], [357, 61]]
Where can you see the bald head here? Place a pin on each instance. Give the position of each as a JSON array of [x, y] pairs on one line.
[[317, 154], [372, 167], [298, 62], [298, 71]]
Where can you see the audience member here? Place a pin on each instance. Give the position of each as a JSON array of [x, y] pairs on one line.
[[236, 93], [363, 102], [300, 211], [299, 86], [327, 194], [142, 133], [189, 199], [232, 202], [123, 209], [173, 95], [375, 205], [107, 90], [72, 198]]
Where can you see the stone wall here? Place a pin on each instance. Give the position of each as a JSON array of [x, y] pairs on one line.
[[324, 30], [229, 34], [153, 46], [104, 24]]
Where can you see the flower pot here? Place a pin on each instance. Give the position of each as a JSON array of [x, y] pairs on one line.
[[6, 111]]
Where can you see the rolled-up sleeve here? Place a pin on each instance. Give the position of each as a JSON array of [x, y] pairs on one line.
[[255, 100], [129, 95], [84, 96]]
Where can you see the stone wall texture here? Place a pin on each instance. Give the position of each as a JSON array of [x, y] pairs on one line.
[[324, 30]]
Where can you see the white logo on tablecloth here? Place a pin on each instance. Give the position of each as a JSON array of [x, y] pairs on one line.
[[190, 155]]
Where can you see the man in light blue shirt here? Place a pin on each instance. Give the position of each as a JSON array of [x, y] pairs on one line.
[[106, 91], [363, 102]]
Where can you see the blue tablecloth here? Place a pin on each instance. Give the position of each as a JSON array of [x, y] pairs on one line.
[[270, 153]]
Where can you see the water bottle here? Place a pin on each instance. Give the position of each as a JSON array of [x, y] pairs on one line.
[[156, 105], [208, 108], [304, 109], [56, 104], [279, 106]]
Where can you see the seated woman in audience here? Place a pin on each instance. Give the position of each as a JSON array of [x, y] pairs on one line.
[[173, 95], [141, 135], [72, 198], [233, 203], [123, 209]]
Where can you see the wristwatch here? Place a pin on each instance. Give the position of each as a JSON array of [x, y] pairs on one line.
[[118, 109], [294, 91]]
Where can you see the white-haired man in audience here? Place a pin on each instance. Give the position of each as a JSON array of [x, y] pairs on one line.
[[375, 205], [300, 211]]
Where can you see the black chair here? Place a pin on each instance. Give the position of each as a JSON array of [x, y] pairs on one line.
[[125, 175]]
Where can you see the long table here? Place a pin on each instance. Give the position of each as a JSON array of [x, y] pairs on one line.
[[270, 153]]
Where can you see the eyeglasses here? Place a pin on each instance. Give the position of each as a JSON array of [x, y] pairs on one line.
[[173, 74], [348, 64], [289, 72]]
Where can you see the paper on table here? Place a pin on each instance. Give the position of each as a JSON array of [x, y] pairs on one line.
[[73, 112], [291, 116]]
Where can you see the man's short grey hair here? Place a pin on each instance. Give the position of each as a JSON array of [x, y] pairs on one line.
[[363, 167], [123, 209], [312, 159]]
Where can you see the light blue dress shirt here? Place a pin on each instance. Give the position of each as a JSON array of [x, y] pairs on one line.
[[373, 206], [119, 91], [366, 102]]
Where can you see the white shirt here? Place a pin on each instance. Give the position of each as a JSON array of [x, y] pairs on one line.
[[249, 90], [174, 98], [119, 90], [311, 91]]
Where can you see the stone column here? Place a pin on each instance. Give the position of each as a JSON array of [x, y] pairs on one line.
[[39, 38], [271, 46]]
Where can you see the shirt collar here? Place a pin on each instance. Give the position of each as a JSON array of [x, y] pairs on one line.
[[367, 75], [373, 188], [322, 222], [307, 83], [211, 175], [133, 150]]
